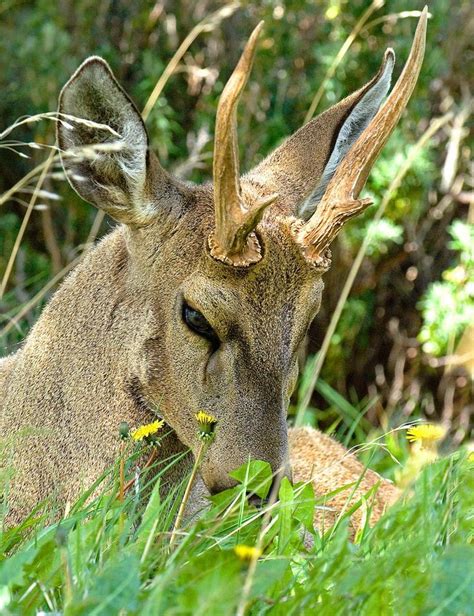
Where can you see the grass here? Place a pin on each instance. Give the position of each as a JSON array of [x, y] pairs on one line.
[[109, 556]]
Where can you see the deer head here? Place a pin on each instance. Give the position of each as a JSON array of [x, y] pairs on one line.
[[223, 280]]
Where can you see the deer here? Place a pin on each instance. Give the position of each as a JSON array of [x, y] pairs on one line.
[[199, 298]]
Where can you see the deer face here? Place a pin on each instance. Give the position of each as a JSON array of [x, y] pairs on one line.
[[221, 338], [225, 280]]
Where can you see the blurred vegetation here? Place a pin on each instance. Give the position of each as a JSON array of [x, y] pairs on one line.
[[403, 347]]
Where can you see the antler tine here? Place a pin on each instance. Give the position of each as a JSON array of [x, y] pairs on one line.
[[233, 240], [340, 201]]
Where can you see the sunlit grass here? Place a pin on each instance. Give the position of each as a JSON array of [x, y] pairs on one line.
[[109, 556]]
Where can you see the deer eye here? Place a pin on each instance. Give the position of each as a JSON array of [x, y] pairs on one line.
[[198, 323]]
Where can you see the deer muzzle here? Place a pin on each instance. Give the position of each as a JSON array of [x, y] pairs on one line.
[[264, 436]]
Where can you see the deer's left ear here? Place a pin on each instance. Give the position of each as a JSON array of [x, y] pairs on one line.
[[104, 148], [342, 146], [356, 122], [301, 168]]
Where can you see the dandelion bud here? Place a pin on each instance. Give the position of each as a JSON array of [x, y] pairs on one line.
[[124, 430], [206, 424]]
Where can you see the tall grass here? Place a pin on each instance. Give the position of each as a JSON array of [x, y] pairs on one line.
[[114, 557]]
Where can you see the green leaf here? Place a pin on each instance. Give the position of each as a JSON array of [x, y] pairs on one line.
[[114, 589], [451, 591], [11, 569], [270, 575], [305, 504], [256, 476], [285, 511], [207, 584], [150, 520]]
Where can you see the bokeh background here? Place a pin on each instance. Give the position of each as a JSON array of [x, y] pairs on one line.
[[403, 345]]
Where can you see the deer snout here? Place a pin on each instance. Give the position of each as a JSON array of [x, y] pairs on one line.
[[257, 501], [220, 462], [254, 499], [219, 485]]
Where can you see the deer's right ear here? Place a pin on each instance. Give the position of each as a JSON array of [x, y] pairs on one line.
[[104, 148]]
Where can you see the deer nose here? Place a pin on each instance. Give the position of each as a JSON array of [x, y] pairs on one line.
[[256, 501], [259, 502], [216, 488]]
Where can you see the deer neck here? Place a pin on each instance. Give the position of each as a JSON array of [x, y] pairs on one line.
[[71, 380]]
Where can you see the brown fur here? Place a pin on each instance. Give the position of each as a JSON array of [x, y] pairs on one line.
[[319, 459], [112, 346]]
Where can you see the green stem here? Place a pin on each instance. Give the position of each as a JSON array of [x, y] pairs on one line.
[[67, 577], [122, 472], [187, 492]]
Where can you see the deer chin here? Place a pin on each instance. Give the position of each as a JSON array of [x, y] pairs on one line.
[[141, 400]]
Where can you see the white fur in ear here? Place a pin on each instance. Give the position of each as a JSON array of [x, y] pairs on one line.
[[107, 147], [354, 125]]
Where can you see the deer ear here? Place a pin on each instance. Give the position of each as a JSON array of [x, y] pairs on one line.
[[353, 126], [301, 168], [104, 147]]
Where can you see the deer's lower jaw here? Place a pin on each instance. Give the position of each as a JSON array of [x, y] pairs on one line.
[[143, 402]]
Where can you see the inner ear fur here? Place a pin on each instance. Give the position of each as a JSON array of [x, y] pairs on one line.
[[105, 149], [355, 123], [296, 169]]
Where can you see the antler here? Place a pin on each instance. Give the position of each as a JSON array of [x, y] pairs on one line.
[[340, 201], [233, 240]]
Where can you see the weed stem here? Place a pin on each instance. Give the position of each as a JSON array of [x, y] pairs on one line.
[[182, 507]]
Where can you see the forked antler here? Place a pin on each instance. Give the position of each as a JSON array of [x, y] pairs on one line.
[[340, 201], [233, 240]]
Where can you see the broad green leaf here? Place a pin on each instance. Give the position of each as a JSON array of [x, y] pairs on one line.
[[256, 476], [12, 568], [114, 588], [285, 515]]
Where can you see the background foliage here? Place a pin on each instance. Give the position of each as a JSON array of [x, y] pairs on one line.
[[402, 347]]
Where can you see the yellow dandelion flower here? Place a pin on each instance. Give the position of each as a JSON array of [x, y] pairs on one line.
[[427, 434], [207, 424], [247, 553], [147, 430], [470, 457]]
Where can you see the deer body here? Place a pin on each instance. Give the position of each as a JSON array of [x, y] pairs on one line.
[[200, 299]]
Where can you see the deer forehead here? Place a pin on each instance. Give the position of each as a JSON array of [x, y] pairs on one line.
[[182, 250], [281, 291]]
